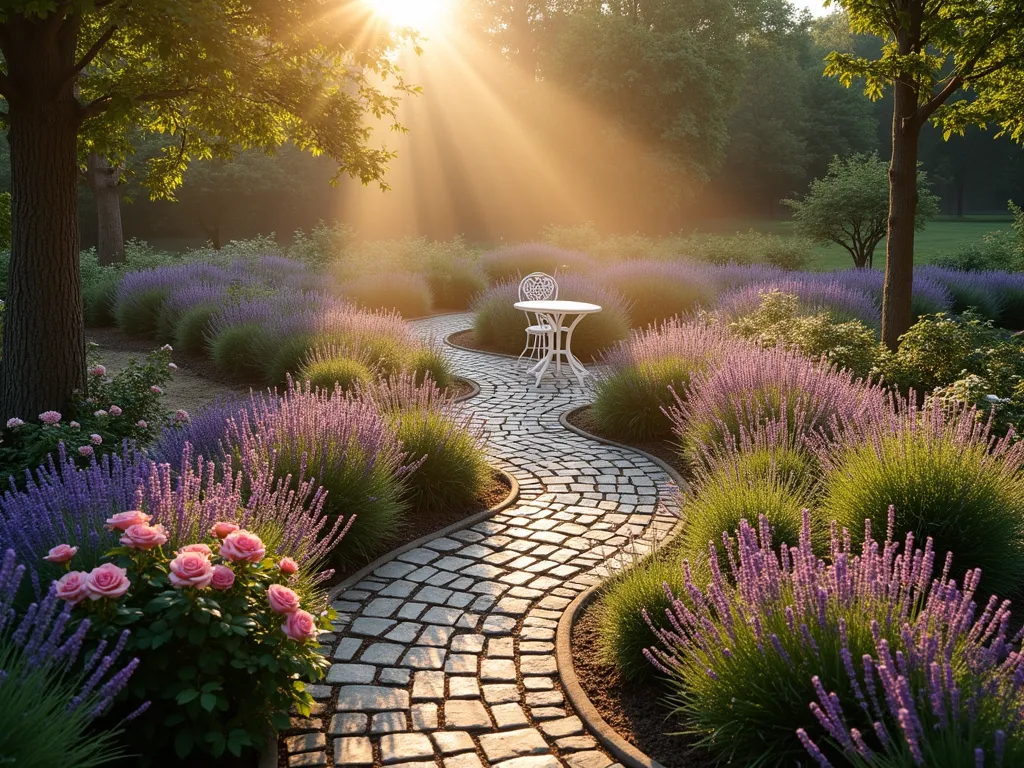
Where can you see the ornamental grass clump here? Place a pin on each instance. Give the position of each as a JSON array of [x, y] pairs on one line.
[[659, 290], [752, 386], [330, 372], [632, 395], [52, 694], [442, 439], [340, 443], [867, 657], [949, 478]]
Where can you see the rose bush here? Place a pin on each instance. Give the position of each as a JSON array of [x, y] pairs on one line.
[[224, 633]]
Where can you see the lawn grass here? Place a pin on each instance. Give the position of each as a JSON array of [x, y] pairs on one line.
[[942, 236]]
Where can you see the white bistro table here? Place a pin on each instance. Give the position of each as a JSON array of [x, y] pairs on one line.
[[554, 314]]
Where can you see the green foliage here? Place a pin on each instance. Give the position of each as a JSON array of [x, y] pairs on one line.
[[629, 401], [654, 297], [778, 321], [409, 295], [330, 372], [454, 283], [850, 206], [191, 334], [215, 664], [974, 391], [5, 221], [752, 247], [998, 250], [430, 363], [126, 406], [323, 245], [453, 472], [969, 500], [236, 351], [623, 634], [100, 297], [283, 356], [137, 314]]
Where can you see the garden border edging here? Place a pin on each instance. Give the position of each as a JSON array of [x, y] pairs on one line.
[[362, 573]]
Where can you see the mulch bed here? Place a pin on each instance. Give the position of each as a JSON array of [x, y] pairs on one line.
[[419, 524], [637, 712], [583, 418]]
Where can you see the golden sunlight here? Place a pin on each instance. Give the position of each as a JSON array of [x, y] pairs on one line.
[[420, 15]]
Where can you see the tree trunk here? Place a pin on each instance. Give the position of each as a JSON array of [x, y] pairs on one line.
[[102, 178], [44, 333], [899, 247]]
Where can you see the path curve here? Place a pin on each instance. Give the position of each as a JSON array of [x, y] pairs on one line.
[[444, 656]]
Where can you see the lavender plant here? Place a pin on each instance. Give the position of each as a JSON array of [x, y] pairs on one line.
[[51, 693], [659, 290], [760, 663], [814, 293], [512, 262]]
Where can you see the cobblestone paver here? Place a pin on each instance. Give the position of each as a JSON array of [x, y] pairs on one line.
[[444, 656]]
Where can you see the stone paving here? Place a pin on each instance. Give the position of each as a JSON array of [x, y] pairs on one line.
[[444, 656]]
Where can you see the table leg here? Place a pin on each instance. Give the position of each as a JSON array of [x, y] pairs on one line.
[[542, 365], [574, 364]]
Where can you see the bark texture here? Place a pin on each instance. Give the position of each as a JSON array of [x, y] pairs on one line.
[[43, 335], [102, 179]]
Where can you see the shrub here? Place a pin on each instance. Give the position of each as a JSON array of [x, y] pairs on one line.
[[630, 399], [513, 262], [814, 296], [744, 661], [1000, 249], [969, 290], [409, 295], [778, 322], [430, 363], [330, 372], [784, 252], [323, 245], [752, 387], [137, 315], [453, 284], [342, 442], [948, 479], [242, 641], [657, 291], [192, 333], [100, 298], [48, 705], [497, 324], [440, 439], [236, 351]]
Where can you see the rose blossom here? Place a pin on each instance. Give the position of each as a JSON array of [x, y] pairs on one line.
[[85, 450], [166, 348], [141, 424], [282, 599], [71, 587], [107, 580], [222, 529], [242, 545], [122, 521], [288, 566], [223, 577], [15, 423], [97, 370], [156, 390], [172, 366], [191, 569], [200, 548], [96, 439], [74, 424], [50, 417], [100, 414], [115, 410], [62, 553], [300, 626], [181, 416], [144, 536]]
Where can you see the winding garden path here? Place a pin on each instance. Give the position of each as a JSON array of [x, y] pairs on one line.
[[444, 656]]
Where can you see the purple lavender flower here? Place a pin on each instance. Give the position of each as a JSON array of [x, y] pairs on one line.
[[816, 293]]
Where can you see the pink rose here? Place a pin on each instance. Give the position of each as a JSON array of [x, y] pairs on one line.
[[223, 577], [166, 348], [241, 546], [15, 423], [74, 424], [96, 439], [107, 580], [100, 414], [200, 548], [191, 569], [71, 587], [288, 566], [222, 529], [141, 424], [172, 366], [156, 390], [300, 626], [85, 450], [181, 416], [50, 417], [115, 410], [282, 599], [62, 553], [122, 521], [97, 370], [144, 536]]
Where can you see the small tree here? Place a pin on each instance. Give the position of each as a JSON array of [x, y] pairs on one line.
[[850, 206]]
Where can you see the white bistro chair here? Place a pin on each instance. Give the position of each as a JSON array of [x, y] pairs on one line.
[[537, 286]]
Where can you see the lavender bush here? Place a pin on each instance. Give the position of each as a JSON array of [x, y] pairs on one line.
[[513, 262], [51, 693], [815, 294], [866, 658], [659, 290]]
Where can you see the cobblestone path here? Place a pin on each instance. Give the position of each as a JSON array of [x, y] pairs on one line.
[[444, 656]]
